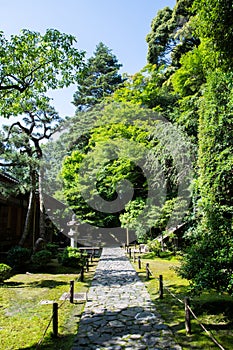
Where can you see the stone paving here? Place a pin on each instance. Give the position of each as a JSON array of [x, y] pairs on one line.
[[119, 313]]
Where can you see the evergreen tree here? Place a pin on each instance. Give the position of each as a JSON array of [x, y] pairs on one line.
[[100, 78], [171, 35]]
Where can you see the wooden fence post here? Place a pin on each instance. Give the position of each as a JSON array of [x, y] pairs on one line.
[[134, 256], [82, 274], [139, 263], [147, 271], [160, 287], [130, 253], [71, 292], [55, 320], [187, 316]]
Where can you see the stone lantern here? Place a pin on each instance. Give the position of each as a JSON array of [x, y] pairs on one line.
[[73, 233]]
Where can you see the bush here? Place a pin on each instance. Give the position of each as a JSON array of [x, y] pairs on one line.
[[72, 257], [18, 256], [53, 248], [41, 258], [154, 247], [5, 272]]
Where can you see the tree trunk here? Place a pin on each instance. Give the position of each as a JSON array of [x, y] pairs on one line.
[[27, 223], [42, 209]]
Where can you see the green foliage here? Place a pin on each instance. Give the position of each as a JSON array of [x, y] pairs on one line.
[[18, 256], [41, 258], [32, 63], [189, 78], [100, 78], [5, 272], [215, 24], [108, 162], [72, 257], [159, 39], [146, 89], [208, 262], [52, 248], [154, 246], [171, 35], [127, 144]]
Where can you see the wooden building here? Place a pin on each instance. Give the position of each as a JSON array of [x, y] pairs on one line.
[[12, 214]]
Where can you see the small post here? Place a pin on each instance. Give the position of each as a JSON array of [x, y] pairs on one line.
[[140, 249], [71, 292], [82, 274], [91, 257], [55, 320], [139, 263], [147, 271], [187, 316], [129, 253], [160, 287], [87, 264], [134, 256]]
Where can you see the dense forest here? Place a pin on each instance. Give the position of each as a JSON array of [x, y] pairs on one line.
[[149, 151]]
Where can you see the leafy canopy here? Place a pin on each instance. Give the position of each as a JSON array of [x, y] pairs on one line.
[[32, 63]]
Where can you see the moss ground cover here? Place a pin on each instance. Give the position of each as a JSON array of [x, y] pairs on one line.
[[215, 311], [23, 320]]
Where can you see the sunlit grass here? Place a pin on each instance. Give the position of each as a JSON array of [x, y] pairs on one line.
[[23, 319], [214, 311]]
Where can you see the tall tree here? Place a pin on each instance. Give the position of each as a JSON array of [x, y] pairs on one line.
[[22, 152], [100, 79], [126, 144], [171, 35], [208, 263], [32, 63]]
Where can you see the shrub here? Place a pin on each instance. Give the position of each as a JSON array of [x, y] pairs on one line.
[[41, 258], [53, 248], [72, 257], [5, 272], [154, 247], [18, 256]]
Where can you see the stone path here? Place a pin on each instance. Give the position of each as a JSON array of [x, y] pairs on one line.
[[119, 313]]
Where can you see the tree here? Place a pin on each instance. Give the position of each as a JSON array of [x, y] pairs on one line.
[[187, 82], [146, 89], [95, 173], [209, 264], [32, 63], [100, 79], [171, 35], [159, 42], [22, 152], [127, 156]]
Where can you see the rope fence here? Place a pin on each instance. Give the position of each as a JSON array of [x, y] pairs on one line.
[[185, 302]]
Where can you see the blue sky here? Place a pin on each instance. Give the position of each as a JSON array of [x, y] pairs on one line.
[[122, 25]]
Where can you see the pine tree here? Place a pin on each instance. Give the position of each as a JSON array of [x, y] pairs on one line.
[[101, 78]]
